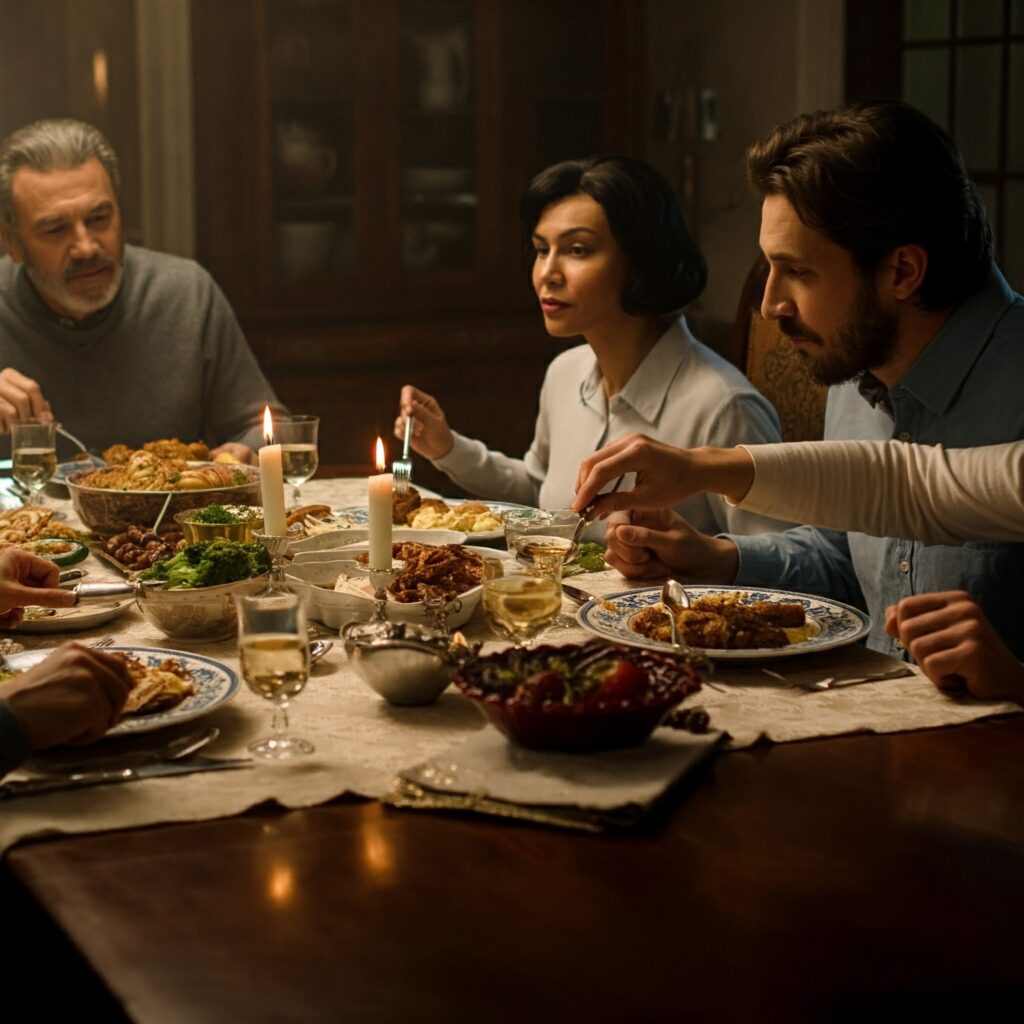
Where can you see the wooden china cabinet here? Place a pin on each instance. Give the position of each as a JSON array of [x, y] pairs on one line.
[[358, 168]]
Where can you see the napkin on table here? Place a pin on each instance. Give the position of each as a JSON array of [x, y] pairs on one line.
[[593, 791]]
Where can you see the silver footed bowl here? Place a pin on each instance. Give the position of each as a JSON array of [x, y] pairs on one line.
[[405, 663]]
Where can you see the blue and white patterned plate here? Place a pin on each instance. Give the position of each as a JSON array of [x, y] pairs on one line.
[[360, 516], [215, 685], [836, 624]]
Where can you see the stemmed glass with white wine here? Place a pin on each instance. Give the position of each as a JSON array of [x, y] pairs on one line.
[[273, 645], [522, 600], [33, 455], [297, 436]]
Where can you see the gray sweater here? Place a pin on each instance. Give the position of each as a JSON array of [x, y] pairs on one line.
[[165, 359]]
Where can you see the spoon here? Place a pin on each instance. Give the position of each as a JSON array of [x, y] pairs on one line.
[[587, 517], [318, 648], [675, 599]]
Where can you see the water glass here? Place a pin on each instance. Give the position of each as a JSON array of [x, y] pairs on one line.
[[33, 455], [273, 644], [297, 436]]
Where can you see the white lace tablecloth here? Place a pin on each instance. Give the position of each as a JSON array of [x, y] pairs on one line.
[[362, 743]]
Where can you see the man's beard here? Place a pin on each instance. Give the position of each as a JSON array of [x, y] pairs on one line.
[[55, 290], [867, 339]]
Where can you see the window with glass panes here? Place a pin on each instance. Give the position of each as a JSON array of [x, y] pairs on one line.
[[963, 65]]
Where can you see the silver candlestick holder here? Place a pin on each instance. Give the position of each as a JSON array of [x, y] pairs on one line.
[[277, 547], [380, 580]]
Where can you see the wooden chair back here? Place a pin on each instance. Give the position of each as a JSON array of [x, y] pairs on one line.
[[774, 366]]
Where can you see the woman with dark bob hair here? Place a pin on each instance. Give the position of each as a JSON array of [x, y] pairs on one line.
[[611, 260]]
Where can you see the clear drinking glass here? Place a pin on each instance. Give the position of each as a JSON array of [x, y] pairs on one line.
[[33, 455], [522, 600], [531, 532], [297, 436], [273, 645]]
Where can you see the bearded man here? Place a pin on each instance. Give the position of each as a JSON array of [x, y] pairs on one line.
[[881, 273], [124, 345]]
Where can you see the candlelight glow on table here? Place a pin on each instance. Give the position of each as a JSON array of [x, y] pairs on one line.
[[381, 491]]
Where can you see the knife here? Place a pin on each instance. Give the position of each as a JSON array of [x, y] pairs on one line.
[[575, 594], [81, 780]]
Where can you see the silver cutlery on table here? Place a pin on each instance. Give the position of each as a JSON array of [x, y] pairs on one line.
[[82, 780], [576, 594], [173, 758], [839, 683], [74, 440], [401, 469], [587, 516]]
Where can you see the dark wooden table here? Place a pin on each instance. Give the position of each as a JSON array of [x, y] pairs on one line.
[[829, 880]]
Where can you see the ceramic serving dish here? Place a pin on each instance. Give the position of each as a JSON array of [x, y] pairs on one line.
[[621, 715], [107, 512]]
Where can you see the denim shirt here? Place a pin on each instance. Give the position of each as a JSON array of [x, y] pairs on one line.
[[14, 746], [965, 389]]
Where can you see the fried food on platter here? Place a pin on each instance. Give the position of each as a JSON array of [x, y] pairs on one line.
[[411, 509], [723, 622], [138, 547], [145, 471], [165, 448], [298, 516], [445, 571], [20, 525], [404, 504], [156, 688], [117, 455]]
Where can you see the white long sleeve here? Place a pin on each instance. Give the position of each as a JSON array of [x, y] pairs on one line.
[[893, 489]]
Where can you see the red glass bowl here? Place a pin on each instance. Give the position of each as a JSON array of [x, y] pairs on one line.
[[585, 726]]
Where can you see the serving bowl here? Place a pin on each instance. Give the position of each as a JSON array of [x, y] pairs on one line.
[[598, 720], [242, 532], [334, 608], [406, 664], [204, 613], [106, 511]]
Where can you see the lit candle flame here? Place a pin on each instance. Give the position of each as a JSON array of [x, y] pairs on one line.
[[381, 464], [268, 426]]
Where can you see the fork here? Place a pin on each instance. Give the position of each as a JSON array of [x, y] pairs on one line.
[[103, 641], [401, 469]]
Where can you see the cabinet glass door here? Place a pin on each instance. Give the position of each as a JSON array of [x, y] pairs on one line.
[[312, 123], [437, 135]]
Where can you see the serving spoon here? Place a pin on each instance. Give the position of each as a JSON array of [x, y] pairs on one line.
[[587, 517], [675, 599]]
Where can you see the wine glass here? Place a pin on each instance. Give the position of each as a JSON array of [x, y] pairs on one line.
[[522, 600], [297, 436], [273, 645], [34, 455]]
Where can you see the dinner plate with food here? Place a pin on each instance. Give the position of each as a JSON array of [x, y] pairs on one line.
[[481, 520], [70, 620], [170, 687], [728, 623]]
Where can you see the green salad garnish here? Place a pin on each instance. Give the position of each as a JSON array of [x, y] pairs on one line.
[[589, 559]]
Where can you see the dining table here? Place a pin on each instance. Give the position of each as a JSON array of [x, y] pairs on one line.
[[834, 856]]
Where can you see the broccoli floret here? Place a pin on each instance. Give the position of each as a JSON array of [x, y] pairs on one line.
[[204, 564], [259, 559]]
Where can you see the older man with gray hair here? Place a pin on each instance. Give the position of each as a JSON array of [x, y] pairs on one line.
[[123, 344]]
